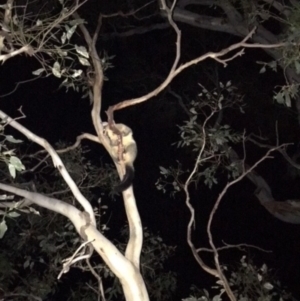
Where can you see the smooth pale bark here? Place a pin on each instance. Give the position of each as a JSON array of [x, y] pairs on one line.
[[129, 276]]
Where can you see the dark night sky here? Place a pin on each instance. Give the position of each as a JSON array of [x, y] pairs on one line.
[[141, 63]]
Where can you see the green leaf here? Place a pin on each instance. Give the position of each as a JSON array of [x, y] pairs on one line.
[[3, 228], [297, 66], [26, 264], [56, 70], [12, 139], [279, 98], [38, 71], [83, 61], [77, 73], [16, 162], [71, 31], [262, 70], [63, 38], [12, 170], [13, 214], [163, 171], [82, 51]]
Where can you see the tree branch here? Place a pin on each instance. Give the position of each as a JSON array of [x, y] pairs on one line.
[[56, 162]]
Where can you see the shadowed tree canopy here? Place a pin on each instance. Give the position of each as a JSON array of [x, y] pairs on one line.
[[208, 91]]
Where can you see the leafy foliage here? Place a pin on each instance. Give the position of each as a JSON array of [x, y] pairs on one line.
[[249, 283], [33, 251], [204, 136]]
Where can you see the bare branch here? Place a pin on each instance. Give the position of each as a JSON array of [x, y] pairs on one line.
[[218, 56], [206, 268], [118, 264], [134, 246], [237, 246], [215, 207], [26, 49], [56, 162]]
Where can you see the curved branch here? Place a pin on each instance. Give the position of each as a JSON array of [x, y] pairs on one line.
[[218, 56], [56, 162], [132, 282], [134, 246]]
